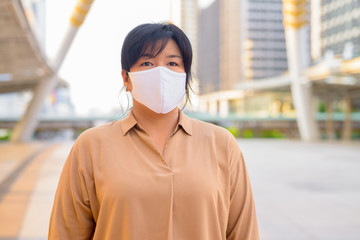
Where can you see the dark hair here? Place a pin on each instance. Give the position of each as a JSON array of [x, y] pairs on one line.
[[151, 38]]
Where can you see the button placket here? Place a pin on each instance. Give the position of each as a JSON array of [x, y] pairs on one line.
[[168, 141]]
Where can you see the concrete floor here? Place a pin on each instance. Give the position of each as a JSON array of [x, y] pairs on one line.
[[302, 190], [305, 190]]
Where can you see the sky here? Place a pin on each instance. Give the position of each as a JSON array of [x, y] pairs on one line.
[[92, 65]]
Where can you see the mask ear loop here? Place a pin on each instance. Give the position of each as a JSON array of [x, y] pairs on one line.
[[127, 87], [128, 100]]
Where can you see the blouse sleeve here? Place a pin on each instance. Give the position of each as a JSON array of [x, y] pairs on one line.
[[242, 222], [71, 216]]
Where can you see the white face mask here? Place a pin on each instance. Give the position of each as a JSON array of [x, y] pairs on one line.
[[159, 88]]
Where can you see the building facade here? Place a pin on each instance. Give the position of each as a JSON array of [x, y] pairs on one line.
[[189, 24], [340, 28], [239, 41], [209, 48], [262, 39]]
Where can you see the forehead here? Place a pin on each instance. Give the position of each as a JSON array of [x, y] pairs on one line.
[[163, 46]]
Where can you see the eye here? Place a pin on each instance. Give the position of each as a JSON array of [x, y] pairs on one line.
[[147, 64], [173, 64]]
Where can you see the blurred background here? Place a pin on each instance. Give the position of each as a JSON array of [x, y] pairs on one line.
[[242, 59], [282, 76]]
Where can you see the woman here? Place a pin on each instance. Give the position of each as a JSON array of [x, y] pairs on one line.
[[157, 174]]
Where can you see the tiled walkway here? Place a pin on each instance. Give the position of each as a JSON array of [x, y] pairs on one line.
[[302, 190], [27, 188]]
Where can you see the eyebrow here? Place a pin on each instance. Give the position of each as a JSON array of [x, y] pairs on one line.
[[147, 55], [174, 56]]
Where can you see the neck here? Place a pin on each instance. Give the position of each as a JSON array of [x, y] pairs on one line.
[[155, 122]]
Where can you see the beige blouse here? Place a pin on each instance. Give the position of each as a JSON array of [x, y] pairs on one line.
[[116, 185]]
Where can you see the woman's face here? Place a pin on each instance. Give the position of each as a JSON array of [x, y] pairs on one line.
[[170, 57]]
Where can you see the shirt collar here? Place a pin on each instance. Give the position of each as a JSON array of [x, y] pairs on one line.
[[184, 121], [128, 123]]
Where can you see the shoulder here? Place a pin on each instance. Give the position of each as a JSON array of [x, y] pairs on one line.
[[205, 129], [89, 146], [214, 135], [219, 141], [97, 135]]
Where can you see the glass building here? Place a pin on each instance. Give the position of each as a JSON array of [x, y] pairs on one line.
[[263, 39], [239, 41], [209, 48], [340, 27]]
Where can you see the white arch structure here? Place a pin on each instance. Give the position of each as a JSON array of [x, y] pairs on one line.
[[45, 77]]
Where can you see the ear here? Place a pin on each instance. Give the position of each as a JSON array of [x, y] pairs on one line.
[[126, 80]]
